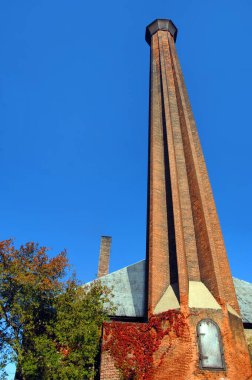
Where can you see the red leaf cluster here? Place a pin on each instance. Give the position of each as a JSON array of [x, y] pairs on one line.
[[63, 350], [132, 345]]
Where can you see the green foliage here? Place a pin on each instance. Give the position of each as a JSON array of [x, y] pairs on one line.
[[51, 328], [77, 330]]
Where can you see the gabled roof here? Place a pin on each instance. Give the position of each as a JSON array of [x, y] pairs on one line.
[[128, 285], [244, 296]]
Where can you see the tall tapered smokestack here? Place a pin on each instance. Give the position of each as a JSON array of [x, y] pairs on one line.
[[189, 283], [103, 267]]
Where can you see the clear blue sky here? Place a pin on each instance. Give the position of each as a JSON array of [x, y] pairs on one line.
[[74, 120]]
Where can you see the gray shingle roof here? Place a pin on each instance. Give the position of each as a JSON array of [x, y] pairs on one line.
[[244, 296], [128, 286]]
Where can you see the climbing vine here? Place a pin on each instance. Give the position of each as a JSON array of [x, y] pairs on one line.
[[132, 345]]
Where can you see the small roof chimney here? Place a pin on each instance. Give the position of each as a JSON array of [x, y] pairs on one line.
[[104, 258]]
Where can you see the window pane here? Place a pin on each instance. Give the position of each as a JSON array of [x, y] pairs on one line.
[[210, 349]]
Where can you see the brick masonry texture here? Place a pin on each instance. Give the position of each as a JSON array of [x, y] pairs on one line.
[[180, 359], [184, 239], [103, 267], [108, 369], [199, 247]]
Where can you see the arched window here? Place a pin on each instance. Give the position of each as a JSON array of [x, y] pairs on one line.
[[210, 345]]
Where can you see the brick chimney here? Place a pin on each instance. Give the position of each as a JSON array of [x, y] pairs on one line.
[[189, 281], [103, 267]]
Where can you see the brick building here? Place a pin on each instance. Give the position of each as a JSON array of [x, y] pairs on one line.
[[180, 313]]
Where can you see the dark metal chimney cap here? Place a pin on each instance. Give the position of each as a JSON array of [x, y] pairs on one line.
[[160, 24]]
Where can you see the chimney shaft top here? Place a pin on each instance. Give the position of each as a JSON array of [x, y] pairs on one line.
[[160, 24], [104, 258]]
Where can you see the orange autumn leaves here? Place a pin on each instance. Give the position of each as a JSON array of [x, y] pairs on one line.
[[49, 325], [31, 265]]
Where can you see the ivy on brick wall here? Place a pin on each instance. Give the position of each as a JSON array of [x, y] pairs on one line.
[[133, 345]]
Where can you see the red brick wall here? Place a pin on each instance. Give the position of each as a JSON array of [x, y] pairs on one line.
[[108, 370], [178, 357], [177, 168]]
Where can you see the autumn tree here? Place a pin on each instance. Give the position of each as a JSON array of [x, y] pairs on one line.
[[49, 327]]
